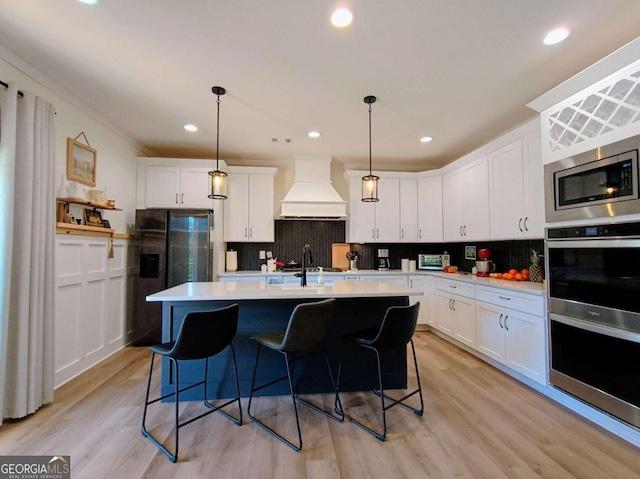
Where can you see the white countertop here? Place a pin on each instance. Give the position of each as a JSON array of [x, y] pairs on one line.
[[523, 286], [250, 290]]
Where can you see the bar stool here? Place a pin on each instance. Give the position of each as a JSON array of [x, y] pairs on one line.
[[306, 333], [395, 332], [203, 334]]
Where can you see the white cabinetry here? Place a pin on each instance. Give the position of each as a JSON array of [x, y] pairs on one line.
[[516, 179], [510, 329], [427, 286], [177, 187], [248, 212], [465, 199], [408, 210], [456, 310], [430, 209], [374, 222]]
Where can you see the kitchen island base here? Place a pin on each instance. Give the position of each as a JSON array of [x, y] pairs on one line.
[[310, 375]]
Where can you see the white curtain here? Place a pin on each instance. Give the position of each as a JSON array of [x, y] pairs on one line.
[[27, 228]]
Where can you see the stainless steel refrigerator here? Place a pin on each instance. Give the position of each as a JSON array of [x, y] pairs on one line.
[[171, 247]]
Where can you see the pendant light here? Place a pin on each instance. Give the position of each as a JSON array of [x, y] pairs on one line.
[[218, 178], [370, 182]]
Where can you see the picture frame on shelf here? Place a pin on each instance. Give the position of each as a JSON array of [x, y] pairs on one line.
[[81, 163], [106, 224], [93, 218]]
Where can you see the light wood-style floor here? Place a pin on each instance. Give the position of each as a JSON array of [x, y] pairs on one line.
[[478, 423]]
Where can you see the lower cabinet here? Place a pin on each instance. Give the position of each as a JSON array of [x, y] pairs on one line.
[[513, 338], [456, 317], [427, 286]]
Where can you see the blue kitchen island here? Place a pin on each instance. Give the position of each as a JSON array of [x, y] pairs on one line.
[[266, 307]]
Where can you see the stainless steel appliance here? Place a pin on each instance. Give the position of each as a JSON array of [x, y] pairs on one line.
[[433, 261], [599, 183], [171, 247], [593, 278], [384, 264]]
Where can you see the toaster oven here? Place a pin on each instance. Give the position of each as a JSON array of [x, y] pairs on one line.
[[433, 261]]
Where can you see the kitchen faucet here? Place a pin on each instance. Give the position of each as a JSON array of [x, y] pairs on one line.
[[306, 251]]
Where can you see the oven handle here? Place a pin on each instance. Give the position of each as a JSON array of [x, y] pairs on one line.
[[596, 328], [593, 243]]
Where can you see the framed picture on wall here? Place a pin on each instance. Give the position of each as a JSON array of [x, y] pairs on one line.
[[92, 218], [81, 163]]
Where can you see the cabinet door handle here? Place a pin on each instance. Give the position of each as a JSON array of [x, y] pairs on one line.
[[245, 232], [500, 321], [250, 232], [176, 198], [505, 298], [401, 232], [450, 299], [520, 225], [505, 322], [377, 233], [453, 305], [464, 230], [460, 230], [525, 223], [420, 233], [452, 286], [373, 233]]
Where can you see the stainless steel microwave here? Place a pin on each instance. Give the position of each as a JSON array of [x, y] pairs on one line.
[[600, 183], [433, 261]]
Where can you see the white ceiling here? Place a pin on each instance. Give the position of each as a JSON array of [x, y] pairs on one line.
[[459, 70]]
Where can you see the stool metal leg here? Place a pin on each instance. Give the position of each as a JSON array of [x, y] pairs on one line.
[[176, 424], [295, 408], [393, 402], [290, 361], [172, 457], [218, 408]]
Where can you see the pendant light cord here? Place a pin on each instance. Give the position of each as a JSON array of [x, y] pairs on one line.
[[218, 135], [369, 139]]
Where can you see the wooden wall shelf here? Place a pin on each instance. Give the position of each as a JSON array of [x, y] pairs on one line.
[[71, 229], [88, 204]]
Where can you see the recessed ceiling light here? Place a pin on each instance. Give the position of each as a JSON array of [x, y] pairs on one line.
[[342, 17], [426, 139], [191, 127], [314, 134], [89, 2], [556, 36]]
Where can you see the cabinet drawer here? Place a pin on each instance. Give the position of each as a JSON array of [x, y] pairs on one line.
[[456, 287], [527, 303]]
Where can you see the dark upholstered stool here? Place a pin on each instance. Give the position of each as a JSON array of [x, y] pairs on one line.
[[395, 332], [306, 333], [203, 334]]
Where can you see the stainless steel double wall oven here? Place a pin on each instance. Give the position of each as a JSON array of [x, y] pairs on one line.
[[593, 282]]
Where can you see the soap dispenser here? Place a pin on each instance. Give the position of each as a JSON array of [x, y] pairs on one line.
[[320, 276]]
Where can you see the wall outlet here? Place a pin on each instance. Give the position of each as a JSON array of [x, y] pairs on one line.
[[263, 254]]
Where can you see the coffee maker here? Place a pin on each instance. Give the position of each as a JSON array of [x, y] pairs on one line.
[[383, 259]]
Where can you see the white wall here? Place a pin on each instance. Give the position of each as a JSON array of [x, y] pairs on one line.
[[91, 295], [116, 157]]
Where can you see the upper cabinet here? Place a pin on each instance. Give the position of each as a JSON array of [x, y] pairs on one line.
[[248, 211], [430, 209], [177, 187], [408, 210], [465, 196], [516, 180], [377, 222]]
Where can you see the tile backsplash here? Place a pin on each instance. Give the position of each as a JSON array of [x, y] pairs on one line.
[[292, 235]]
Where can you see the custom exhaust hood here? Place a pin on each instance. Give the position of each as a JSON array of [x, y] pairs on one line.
[[312, 196]]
